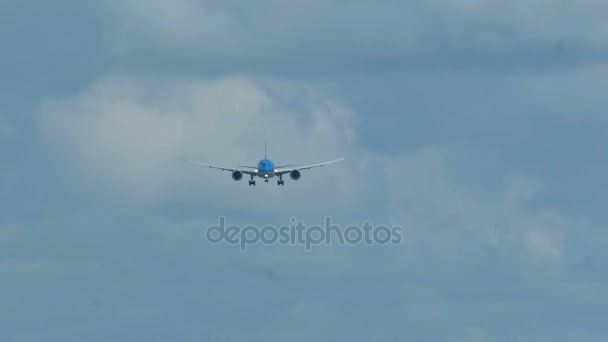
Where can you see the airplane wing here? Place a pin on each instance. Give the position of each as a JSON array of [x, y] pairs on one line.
[[223, 168], [255, 167], [306, 167]]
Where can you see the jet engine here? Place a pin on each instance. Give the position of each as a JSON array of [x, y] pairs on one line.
[[295, 174], [237, 175]]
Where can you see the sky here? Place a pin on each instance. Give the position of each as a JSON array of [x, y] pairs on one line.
[[477, 126]]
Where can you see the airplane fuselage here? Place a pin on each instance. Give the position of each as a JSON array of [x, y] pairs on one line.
[[265, 169]]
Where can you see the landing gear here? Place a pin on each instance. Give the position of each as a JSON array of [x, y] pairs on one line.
[[280, 182], [251, 181], [265, 180]]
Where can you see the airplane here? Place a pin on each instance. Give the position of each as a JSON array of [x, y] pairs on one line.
[[265, 169]]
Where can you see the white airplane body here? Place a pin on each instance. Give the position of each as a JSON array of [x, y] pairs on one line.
[[265, 169]]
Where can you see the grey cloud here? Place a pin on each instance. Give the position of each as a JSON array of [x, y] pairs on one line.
[[547, 125], [478, 126], [326, 36], [438, 206]]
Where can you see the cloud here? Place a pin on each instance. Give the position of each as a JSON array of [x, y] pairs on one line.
[[574, 94], [493, 172], [124, 138], [543, 243], [172, 23], [469, 236], [121, 139], [443, 210], [539, 20], [346, 32]]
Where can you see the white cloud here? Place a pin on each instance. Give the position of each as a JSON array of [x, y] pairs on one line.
[[124, 137], [447, 213]]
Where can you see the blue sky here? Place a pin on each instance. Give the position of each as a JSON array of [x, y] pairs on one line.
[[478, 126]]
